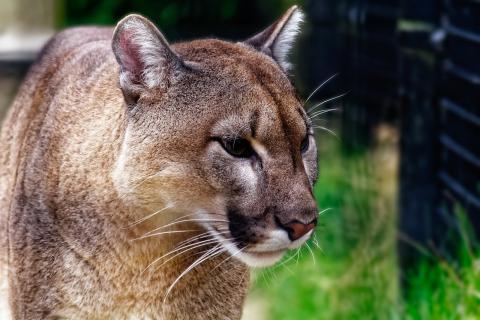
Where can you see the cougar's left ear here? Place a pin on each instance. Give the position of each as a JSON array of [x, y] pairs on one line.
[[277, 40]]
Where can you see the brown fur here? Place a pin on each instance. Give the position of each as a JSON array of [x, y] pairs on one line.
[[79, 166]]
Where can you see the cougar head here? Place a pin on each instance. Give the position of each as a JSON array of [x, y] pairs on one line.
[[216, 132]]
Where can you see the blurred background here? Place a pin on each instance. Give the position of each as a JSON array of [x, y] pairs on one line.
[[399, 153]]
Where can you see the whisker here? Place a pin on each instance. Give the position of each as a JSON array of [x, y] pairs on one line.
[[187, 220], [320, 112], [199, 237], [311, 252], [186, 248], [317, 244], [147, 217], [321, 103], [320, 86], [141, 181], [180, 253], [298, 254], [247, 270], [210, 254], [163, 233], [187, 245], [327, 130], [323, 211], [283, 263], [265, 280], [228, 258]]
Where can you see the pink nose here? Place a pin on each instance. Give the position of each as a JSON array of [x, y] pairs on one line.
[[296, 229]]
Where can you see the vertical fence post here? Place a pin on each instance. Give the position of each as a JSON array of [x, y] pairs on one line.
[[418, 161]]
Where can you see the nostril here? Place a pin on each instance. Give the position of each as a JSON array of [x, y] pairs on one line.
[[296, 229]]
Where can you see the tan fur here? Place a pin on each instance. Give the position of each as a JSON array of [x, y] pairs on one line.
[[78, 166]]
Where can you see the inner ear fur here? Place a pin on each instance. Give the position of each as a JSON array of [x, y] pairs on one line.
[[145, 58], [277, 40]]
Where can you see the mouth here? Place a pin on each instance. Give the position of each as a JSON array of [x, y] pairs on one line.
[[266, 254], [266, 258], [262, 254], [257, 259]]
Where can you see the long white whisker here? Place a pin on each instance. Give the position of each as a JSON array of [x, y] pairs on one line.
[[187, 220], [141, 181], [163, 233], [205, 234], [189, 249], [317, 244], [327, 130], [243, 276], [228, 258], [210, 254], [320, 86], [194, 238], [321, 103], [285, 262], [186, 248], [320, 112], [200, 236], [323, 211], [197, 239], [298, 254], [311, 252], [147, 217]]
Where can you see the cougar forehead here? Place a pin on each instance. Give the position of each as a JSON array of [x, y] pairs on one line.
[[244, 87]]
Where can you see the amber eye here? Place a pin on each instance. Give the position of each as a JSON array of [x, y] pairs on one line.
[[237, 147], [305, 144]]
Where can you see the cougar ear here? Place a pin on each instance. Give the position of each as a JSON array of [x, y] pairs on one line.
[[144, 55], [277, 40]]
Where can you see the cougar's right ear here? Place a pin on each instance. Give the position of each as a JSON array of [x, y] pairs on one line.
[[277, 40], [145, 57]]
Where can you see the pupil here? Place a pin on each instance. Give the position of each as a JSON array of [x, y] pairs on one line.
[[238, 147], [304, 144]]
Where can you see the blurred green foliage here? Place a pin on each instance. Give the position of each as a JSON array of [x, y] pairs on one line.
[[447, 287]]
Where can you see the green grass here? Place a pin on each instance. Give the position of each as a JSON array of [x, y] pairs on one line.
[[447, 289], [355, 274]]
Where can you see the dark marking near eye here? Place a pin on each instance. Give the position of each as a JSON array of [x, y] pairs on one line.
[[290, 139], [238, 226], [286, 131]]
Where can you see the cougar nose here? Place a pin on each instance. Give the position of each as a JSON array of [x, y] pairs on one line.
[[296, 229]]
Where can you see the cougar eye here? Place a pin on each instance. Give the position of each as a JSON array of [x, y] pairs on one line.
[[238, 147], [305, 144]]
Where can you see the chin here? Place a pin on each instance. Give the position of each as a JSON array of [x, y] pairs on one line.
[[257, 259], [261, 259]]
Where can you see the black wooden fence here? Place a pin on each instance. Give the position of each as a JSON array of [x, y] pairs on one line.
[[417, 61]]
